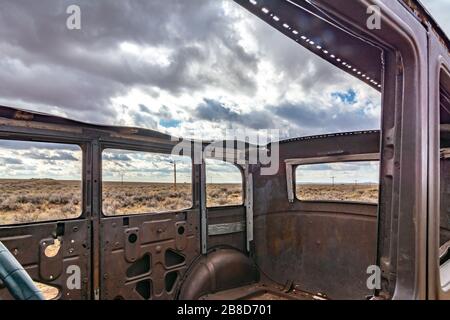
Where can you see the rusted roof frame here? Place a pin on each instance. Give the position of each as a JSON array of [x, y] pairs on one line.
[[424, 16], [311, 28], [307, 25], [27, 115]]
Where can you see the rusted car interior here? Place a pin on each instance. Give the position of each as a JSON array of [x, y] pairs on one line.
[[274, 245]]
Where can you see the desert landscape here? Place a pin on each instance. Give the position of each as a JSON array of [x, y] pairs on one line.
[[31, 200], [23, 201], [339, 192], [136, 197]]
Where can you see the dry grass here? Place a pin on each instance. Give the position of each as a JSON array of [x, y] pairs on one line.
[[224, 194], [49, 292], [23, 201], [339, 192], [133, 198], [33, 200]]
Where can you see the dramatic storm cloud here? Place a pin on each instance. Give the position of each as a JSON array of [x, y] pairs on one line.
[[24, 160], [153, 46], [190, 68]]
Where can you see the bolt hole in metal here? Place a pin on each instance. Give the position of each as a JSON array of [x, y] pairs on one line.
[[181, 230], [132, 238]]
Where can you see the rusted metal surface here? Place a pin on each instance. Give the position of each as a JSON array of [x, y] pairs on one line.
[[320, 251], [27, 244], [249, 224], [260, 292], [402, 236], [226, 228], [146, 257], [53, 122], [439, 86], [307, 25], [319, 247], [424, 16], [322, 247], [220, 270], [226, 215], [444, 217]]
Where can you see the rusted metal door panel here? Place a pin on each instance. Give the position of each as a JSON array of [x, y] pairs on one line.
[[145, 257], [64, 271], [56, 254]]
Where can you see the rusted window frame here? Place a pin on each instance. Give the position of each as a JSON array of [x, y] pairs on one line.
[[143, 150], [83, 213], [292, 164]]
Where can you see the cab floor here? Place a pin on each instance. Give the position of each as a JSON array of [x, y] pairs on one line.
[[259, 291]]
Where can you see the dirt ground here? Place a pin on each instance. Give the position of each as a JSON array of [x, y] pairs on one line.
[[33, 200], [23, 201], [339, 192]]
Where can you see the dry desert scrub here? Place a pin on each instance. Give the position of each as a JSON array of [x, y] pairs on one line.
[[224, 195], [24, 201], [132, 198], [339, 192]]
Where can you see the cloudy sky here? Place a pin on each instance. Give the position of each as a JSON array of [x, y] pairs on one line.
[[41, 160], [24, 160], [191, 68], [342, 172], [144, 167]]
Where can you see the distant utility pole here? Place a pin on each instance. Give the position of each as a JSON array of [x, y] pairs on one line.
[[332, 180], [174, 174], [121, 171]]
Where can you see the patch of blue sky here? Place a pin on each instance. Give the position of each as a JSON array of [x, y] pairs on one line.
[[169, 123], [348, 97]]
